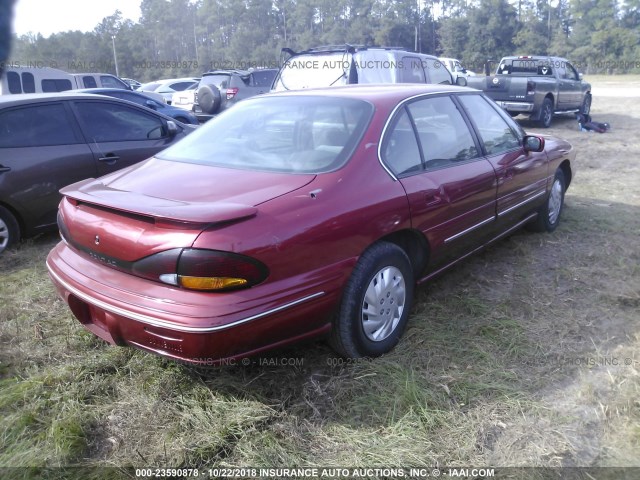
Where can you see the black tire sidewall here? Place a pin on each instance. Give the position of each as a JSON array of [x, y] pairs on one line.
[[349, 321], [547, 105], [12, 226]]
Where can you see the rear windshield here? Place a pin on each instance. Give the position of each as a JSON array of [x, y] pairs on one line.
[[310, 134], [263, 78], [220, 80], [316, 70], [527, 66], [149, 87]]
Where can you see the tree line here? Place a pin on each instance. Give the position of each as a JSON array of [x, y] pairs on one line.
[[181, 37]]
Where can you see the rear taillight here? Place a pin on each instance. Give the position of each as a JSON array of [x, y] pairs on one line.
[[231, 92], [200, 269], [531, 87]]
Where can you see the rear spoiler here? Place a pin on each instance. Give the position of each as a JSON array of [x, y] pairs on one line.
[[94, 192]]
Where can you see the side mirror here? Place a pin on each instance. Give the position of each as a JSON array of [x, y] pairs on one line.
[[172, 128], [580, 76], [151, 104], [533, 143], [461, 81]]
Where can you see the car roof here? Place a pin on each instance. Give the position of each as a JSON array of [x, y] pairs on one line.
[[397, 91], [110, 89], [171, 80], [23, 98], [352, 48], [33, 98]]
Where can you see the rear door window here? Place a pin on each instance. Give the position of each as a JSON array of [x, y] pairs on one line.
[[411, 70], [400, 150], [110, 122], [56, 85], [36, 126], [89, 82], [444, 136]]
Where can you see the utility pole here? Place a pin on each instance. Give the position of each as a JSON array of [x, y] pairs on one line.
[[115, 58]]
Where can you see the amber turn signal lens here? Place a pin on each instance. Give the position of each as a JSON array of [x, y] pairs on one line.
[[210, 283]]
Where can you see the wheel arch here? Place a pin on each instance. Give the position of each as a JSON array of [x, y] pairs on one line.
[[414, 244], [565, 167], [17, 216], [550, 97]]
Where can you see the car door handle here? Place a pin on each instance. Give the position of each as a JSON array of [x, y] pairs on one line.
[[4, 169], [109, 158], [433, 200]]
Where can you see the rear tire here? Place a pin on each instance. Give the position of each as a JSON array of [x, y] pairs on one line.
[[546, 113], [9, 229], [376, 302], [549, 213]]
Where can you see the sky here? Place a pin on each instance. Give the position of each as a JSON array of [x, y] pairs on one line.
[[53, 16]]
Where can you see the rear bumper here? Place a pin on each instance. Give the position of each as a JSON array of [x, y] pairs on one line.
[[194, 327], [516, 106]]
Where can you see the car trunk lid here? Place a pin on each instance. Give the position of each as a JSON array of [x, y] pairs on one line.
[[144, 209]]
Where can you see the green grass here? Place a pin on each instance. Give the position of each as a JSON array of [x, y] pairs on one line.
[[485, 374]]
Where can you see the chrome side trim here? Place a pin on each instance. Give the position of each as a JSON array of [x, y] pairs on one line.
[[477, 225], [533, 197], [170, 325], [429, 276]]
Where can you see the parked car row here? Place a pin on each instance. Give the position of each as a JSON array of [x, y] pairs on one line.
[[166, 88], [318, 67]]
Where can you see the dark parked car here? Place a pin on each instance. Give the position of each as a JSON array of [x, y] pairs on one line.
[[48, 141], [140, 98], [301, 214], [220, 89]]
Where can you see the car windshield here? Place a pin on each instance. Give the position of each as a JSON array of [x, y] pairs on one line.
[[306, 134]]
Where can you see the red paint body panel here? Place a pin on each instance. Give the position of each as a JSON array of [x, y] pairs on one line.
[[309, 230]]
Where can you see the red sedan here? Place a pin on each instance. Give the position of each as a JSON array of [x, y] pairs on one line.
[[301, 214]]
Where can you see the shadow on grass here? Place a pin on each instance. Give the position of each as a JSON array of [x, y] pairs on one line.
[[484, 341], [507, 323], [38, 248]]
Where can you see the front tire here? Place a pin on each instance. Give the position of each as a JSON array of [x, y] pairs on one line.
[[376, 302], [549, 213], [9, 229]]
